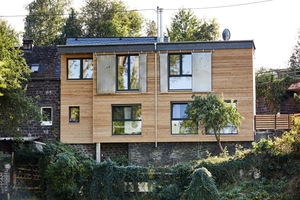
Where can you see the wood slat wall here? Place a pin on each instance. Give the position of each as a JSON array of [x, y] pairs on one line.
[[233, 77]]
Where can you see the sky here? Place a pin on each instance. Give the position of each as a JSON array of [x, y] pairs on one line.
[[273, 25]]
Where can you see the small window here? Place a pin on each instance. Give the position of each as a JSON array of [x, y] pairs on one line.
[[180, 71], [34, 67], [47, 116], [180, 123], [127, 120], [74, 114], [80, 69], [128, 72]]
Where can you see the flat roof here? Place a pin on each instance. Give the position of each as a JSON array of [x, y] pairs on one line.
[[156, 46]]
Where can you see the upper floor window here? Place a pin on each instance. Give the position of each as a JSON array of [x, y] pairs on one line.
[[185, 71], [128, 72], [74, 114], [180, 71], [179, 122], [47, 116], [80, 68], [127, 120]]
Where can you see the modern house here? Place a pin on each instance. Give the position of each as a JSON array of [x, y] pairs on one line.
[[128, 95]]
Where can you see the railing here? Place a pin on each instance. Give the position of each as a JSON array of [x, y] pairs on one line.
[[274, 122]]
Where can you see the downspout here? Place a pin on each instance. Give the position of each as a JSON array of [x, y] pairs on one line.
[[156, 92], [98, 152]]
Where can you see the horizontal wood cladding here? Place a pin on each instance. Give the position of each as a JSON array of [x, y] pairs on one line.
[[232, 77], [76, 93]]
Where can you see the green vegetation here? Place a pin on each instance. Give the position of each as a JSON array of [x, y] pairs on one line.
[[15, 106], [185, 26], [213, 114], [271, 170]]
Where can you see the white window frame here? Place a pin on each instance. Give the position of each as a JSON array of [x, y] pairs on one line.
[[47, 123]]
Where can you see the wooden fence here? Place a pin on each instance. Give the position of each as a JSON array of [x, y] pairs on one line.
[[275, 122]]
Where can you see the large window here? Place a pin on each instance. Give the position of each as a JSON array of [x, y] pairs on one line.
[[179, 122], [80, 69], [180, 71], [127, 120], [128, 72], [47, 116], [74, 114]]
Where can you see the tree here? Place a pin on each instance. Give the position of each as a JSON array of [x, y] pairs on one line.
[[185, 26], [15, 106], [150, 28], [272, 86], [72, 28], [45, 21], [110, 18], [213, 114]]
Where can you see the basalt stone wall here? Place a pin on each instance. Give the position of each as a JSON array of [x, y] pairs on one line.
[[113, 150], [170, 154], [87, 149], [48, 93]]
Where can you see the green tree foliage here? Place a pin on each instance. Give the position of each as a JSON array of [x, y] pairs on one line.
[[185, 26], [15, 107], [214, 114], [72, 27], [150, 28], [110, 18], [45, 21], [272, 85]]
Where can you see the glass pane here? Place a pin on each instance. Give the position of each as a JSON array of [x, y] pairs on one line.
[[187, 64], [229, 129], [74, 69], [174, 64], [87, 68], [74, 114], [184, 127], [127, 112], [178, 111], [118, 127], [134, 75], [46, 114], [122, 72], [136, 112], [118, 113], [133, 127], [180, 83]]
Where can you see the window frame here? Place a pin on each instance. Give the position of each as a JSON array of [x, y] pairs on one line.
[[173, 119], [129, 72], [181, 70], [70, 115], [131, 119], [48, 122], [81, 60]]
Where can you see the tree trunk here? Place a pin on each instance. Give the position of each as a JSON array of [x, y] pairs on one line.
[[219, 141]]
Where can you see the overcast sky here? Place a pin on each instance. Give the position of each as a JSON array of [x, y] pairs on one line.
[[272, 24]]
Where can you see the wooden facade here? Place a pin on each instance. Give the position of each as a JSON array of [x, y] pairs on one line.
[[232, 75]]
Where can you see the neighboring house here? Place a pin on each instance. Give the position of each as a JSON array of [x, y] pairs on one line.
[[128, 95], [44, 83]]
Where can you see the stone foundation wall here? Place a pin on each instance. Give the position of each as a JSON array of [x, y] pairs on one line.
[[170, 154]]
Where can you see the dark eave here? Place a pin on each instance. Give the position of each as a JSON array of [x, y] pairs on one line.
[[159, 46]]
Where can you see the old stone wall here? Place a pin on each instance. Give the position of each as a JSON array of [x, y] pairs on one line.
[[48, 93], [289, 106], [170, 154]]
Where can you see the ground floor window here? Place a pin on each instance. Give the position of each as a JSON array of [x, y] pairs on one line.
[[74, 114], [127, 119], [47, 116], [180, 124]]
